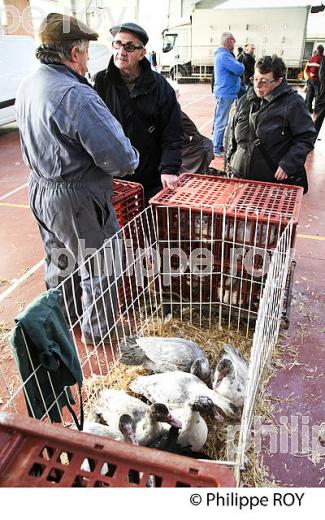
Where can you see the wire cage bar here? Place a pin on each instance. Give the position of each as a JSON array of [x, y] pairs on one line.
[[201, 268]]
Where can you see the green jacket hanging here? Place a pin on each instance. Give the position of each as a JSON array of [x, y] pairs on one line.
[[51, 352]]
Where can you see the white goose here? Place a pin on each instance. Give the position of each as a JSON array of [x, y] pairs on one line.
[[230, 376], [159, 354], [124, 432], [176, 389], [148, 419], [194, 432]]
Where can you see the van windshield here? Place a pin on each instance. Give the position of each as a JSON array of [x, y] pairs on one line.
[[169, 42]]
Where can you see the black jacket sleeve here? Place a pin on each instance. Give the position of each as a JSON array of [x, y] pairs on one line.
[[171, 130], [303, 136]]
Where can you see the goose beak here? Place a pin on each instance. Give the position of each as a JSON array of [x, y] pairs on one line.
[[173, 422], [223, 373], [218, 417]]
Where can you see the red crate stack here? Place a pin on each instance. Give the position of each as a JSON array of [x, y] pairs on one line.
[[36, 454], [128, 200], [220, 215]]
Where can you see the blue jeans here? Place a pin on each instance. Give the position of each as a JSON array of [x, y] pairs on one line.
[[221, 116]]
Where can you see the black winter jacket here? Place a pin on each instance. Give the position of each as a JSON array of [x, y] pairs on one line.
[[321, 97], [248, 61], [150, 117], [280, 132]]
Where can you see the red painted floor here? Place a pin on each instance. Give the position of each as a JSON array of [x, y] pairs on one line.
[[299, 387]]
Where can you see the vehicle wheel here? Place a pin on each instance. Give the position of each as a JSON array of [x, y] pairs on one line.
[[179, 72]]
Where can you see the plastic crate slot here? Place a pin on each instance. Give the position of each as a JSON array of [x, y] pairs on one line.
[[133, 476], [47, 453], [80, 481], [157, 481], [88, 465], [100, 483], [37, 470], [55, 475], [65, 458], [108, 469], [182, 484]]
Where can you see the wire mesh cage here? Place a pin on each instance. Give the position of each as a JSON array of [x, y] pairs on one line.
[[135, 288]]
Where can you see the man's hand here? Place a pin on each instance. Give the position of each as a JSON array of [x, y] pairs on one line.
[[171, 181], [280, 174]]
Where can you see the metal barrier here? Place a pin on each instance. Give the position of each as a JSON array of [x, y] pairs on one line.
[[132, 284]]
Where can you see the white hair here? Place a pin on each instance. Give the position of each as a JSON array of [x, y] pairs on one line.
[[58, 53], [225, 36]]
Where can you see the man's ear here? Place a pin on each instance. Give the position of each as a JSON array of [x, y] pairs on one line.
[[143, 53], [74, 53]]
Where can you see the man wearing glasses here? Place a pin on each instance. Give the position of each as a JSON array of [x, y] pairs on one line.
[[272, 131], [146, 106]]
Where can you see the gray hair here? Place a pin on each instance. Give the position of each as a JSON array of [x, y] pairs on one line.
[[54, 53], [225, 36]]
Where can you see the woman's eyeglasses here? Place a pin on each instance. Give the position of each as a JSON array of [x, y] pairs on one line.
[[262, 81], [128, 47]]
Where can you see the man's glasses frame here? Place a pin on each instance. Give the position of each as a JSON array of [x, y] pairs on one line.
[[128, 47], [262, 81]]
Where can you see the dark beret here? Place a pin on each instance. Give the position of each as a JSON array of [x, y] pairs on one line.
[[132, 28], [58, 28]]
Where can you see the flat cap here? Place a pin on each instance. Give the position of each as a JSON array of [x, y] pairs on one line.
[[132, 28], [58, 28]]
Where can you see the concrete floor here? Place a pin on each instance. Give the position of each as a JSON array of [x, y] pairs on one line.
[[298, 389]]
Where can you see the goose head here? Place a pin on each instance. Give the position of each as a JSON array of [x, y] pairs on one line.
[[230, 376], [160, 413], [127, 427], [205, 405], [232, 366], [223, 369], [201, 368]]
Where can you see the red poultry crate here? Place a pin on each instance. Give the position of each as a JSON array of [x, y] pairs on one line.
[[36, 454], [128, 200], [224, 216]]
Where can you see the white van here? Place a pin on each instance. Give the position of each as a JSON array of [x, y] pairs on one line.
[[17, 60]]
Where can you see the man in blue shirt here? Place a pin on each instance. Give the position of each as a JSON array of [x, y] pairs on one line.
[[227, 72]]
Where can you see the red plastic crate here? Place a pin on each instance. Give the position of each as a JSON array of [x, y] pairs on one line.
[[36, 454], [269, 199], [219, 214], [128, 200]]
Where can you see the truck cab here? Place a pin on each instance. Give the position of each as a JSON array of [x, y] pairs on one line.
[[175, 59]]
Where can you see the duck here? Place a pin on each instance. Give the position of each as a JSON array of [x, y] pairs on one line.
[[169, 442], [230, 376], [175, 389], [124, 432], [194, 431], [150, 420], [159, 354]]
